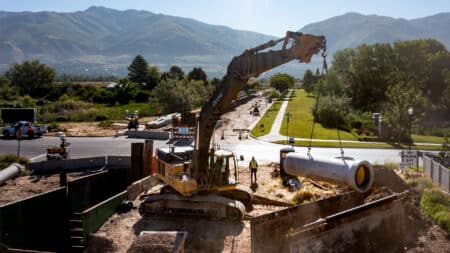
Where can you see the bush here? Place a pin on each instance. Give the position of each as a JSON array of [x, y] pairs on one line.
[[101, 117], [436, 204], [420, 184], [331, 112], [54, 127], [304, 196], [6, 160], [105, 124]]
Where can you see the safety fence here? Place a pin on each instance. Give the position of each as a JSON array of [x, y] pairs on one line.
[[438, 173]]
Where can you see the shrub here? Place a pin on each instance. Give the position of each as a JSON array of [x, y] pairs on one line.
[[105, 124], [304, 196], [436, 204], [101, 117], [420, 184], [54, 127], [6, 160], [330, 112]]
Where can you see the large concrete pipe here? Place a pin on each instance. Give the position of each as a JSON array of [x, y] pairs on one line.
[[10, 172], [356, 174]]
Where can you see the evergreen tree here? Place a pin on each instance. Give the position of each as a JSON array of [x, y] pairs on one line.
[[138, 71]]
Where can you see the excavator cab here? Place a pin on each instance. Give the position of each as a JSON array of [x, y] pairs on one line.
[[223, 170]]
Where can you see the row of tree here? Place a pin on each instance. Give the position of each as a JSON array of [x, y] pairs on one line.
[[389, 79], [37, 82]]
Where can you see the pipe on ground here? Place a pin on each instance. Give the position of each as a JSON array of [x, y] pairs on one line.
[[356, 174], [10, 172]]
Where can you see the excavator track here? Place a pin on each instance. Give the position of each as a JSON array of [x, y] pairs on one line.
[[210, 206], [240, 193]]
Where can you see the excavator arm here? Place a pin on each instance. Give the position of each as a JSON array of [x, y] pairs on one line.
[[249, 64]]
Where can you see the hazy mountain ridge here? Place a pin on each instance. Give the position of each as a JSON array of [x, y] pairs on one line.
[[353, 29], [103, 41]]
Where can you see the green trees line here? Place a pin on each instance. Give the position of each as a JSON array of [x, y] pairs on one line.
[[32, 83], [389, 79]]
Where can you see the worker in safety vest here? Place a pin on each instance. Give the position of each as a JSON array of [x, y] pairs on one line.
[[253, 168]]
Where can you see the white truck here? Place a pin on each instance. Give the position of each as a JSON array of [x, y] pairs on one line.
[[26, 129]]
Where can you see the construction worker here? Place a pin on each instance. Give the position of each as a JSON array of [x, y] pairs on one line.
[[253, 168]]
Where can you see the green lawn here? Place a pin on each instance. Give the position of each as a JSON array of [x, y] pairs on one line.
[[300, 123], [361, 145], [116, 112], [266, 120], [427, 138]]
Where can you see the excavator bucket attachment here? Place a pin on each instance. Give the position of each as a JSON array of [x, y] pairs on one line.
[[307, 45]]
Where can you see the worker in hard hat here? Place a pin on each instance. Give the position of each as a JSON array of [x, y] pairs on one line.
[[253, 168]]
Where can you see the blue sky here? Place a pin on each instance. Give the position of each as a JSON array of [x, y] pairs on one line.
[[272, 17]]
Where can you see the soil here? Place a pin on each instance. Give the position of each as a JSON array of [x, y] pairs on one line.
[[28, 186]]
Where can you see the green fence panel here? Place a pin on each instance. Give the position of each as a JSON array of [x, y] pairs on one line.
[[94, 217]]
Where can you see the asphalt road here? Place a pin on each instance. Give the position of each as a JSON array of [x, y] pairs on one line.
[[263, 151]]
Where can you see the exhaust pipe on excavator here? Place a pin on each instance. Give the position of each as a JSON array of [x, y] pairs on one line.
[[356, 174]]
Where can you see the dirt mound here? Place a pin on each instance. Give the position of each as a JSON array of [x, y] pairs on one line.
[[27, 186], [387, 177]]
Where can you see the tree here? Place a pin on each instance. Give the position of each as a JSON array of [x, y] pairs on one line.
[[308, 81], [154, 77], [282, 82], [198, 74], [173, 96], [176, 72], [401, 97], [125, 91], [31, 78], [138, 71]]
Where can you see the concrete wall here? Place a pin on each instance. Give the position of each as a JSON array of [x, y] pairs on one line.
[[153, 135], [384, 229], [438, 173], [80, 164], [70, 165], [268, 232]]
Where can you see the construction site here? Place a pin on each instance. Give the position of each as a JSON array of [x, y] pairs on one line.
[[192, 196]]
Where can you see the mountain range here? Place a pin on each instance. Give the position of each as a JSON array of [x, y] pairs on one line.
[[102, 41]]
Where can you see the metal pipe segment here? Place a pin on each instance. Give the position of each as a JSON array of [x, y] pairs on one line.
[[356, 174]]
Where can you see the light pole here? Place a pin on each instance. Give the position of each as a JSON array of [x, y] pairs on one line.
[[410, 113], [287, 115]]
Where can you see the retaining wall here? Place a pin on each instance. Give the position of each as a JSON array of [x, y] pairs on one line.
[[387, 228], [87, 191], [36, 223], [438, 173], [80, 164], [268, 232], [153, 135]]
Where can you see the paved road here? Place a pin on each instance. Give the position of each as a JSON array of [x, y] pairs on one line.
[[263, 151]]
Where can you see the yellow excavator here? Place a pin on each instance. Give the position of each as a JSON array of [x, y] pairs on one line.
[[201, 180]]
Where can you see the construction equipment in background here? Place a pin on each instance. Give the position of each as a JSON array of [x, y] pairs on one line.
[[204, 181], [133, 120], [60, 152]]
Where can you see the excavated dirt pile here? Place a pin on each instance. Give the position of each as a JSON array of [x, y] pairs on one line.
[[27, 186]]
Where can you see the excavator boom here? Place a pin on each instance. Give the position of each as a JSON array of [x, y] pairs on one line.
[[249, 64]]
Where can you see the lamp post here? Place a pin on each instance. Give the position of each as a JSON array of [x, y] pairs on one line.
[[410, 113], [287, 115]]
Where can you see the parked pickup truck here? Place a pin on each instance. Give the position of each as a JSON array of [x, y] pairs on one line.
[[27, 128]]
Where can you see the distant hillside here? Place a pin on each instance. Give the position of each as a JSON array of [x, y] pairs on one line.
[[104, 41], [101, 38], [353, 29]]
